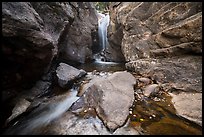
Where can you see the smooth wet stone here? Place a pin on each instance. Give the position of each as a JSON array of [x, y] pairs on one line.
[[188, 105], [66, 73]]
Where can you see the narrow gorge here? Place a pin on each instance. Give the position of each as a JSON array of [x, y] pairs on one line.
[[101, 68]]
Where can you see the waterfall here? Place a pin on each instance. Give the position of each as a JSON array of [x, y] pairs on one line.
[[102, 31], [103, 22]]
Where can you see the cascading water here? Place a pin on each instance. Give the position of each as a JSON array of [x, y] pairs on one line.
[[103, 22], [102, 30], [42, 116]]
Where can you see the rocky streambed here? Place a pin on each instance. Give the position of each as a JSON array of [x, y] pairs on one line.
[[51, 85], [108, 102]]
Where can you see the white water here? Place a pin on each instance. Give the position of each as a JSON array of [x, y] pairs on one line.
[[102, 30], [103, 62], [44, 116]]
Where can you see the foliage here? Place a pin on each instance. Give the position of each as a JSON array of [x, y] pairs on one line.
[[102, 6]]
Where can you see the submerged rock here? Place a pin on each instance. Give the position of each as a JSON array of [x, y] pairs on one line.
[[66, 73], [111, 97]]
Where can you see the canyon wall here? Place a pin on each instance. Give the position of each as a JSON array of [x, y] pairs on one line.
[[159, 39]]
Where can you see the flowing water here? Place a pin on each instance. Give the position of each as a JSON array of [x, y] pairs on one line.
[[102, 30], [154, 117], [43, 115]]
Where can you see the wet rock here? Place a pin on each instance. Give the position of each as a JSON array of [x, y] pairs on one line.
[[151, 89], [19, 108], [188, 105], [31, 95], [111, 97], [66, 73], [41, 88]]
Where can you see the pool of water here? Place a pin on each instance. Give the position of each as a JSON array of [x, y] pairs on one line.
[[155, 116], [158, 117], [102, 66]]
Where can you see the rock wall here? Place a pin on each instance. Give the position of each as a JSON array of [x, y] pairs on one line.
[[77, 44], [152, 29], [162, 33], [36, 32]]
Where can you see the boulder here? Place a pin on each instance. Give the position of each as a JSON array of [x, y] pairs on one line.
[[111, 97], [66, 73], [188, 105]]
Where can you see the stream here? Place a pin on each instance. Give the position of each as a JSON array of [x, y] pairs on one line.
[[154, 116], [149, 115]]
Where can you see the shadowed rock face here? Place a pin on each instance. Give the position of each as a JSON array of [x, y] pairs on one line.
[[77, 44], [34, 33], [27, 49]]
